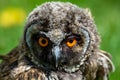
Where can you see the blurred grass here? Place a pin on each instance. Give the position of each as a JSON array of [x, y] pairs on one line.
[[106, 15]]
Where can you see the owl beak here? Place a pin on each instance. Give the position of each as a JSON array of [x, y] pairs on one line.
[[56, 53]]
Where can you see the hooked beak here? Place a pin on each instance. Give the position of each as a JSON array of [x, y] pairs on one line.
[[56, 53]]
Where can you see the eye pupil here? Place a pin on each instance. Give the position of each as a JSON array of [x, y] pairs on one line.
[[43, 41], [72, 42]]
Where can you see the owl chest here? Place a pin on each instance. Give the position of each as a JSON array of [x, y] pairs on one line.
[[70, 76], [28, 73], [35, 74], [65, 76]]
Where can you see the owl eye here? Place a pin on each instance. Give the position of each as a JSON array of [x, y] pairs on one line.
[[43, 41], [71, 42]]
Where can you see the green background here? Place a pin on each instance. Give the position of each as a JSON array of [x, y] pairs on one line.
[[106, 14]]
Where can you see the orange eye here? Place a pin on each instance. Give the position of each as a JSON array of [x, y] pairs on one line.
[[43, 41], [71, 42]]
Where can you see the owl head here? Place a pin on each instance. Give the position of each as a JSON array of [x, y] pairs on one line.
[[60, 36]]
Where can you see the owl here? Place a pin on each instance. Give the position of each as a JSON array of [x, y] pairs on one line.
[[60, 42]]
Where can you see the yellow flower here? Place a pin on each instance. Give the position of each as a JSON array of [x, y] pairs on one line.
[[12, 16]]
